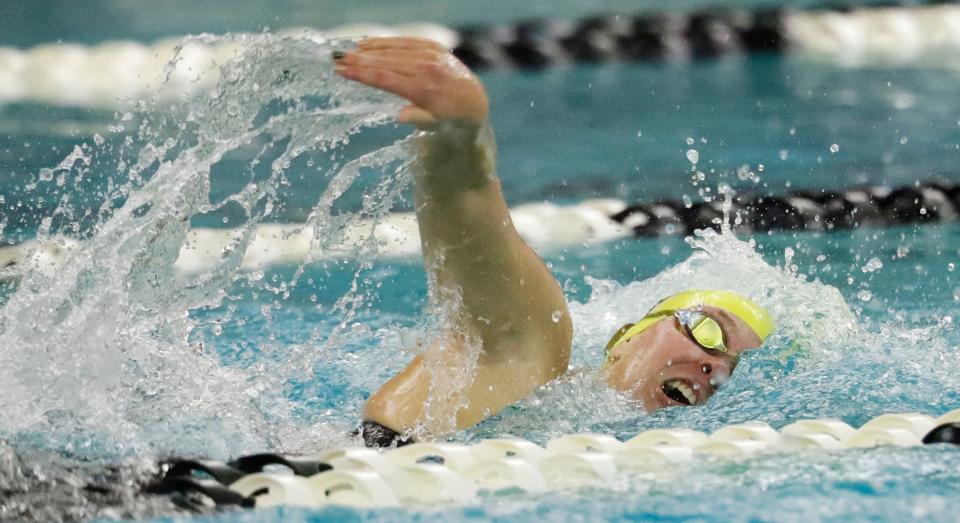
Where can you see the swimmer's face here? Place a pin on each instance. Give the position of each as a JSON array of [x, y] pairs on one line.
[[663, 367]]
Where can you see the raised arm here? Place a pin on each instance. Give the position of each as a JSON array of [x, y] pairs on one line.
[[509, 300]]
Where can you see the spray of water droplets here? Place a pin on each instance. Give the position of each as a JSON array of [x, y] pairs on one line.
[[105, 352]]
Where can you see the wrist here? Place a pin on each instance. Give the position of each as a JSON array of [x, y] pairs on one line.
[[456, 155]]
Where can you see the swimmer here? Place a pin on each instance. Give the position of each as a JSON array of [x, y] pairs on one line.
[[677, 354]]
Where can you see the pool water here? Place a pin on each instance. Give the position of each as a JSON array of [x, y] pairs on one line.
[[138, 361]]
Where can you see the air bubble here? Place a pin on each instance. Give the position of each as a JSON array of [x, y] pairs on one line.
[[865, 295], [556, 316], [693, 155], [951, 266], [834, 148]]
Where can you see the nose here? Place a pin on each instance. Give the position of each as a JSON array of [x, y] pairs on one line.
[[715, 368]]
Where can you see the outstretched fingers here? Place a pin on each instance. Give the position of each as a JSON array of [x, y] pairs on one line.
[[393, 82], [438, 85], [405, 63], [400, 42]]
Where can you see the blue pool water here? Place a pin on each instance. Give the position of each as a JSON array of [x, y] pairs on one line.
[[136, 361]]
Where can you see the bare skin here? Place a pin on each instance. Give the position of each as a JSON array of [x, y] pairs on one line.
[[642, 365], [469, 242], [510, 302]]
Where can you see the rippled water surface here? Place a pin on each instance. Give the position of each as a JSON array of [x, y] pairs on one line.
[[114, 356]]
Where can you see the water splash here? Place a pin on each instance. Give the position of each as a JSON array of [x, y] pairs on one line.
[[104, 355], [821, 361]]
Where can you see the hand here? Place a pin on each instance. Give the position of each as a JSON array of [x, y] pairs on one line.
[[439, 87]]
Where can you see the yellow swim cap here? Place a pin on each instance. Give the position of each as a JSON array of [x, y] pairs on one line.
[[756, 317]]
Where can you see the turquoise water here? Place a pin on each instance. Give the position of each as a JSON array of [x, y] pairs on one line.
[[99, 20], [137, 361]]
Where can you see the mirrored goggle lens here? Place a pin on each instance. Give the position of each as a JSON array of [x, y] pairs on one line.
[[703, 329]]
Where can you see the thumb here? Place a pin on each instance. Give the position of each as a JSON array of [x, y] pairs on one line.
[[414, 115]]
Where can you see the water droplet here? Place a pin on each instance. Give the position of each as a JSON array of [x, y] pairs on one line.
[[834, 148], [693, 155], [865, 295], [872, 266], [556, 316]]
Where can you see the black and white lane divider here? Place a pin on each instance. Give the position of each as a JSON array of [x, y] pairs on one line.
[[111, 74], [547, 226]]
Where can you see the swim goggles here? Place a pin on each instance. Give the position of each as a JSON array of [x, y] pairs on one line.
[[699, 327], [703, 330]]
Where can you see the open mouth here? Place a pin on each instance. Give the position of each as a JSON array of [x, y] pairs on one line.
[[680, 391]]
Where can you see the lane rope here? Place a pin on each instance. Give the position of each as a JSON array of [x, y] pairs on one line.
[[112, 74], [436, 473], [547, 226]]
